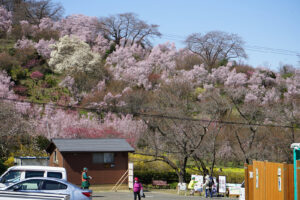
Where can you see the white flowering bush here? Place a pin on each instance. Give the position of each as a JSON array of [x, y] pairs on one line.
[[71, 54]]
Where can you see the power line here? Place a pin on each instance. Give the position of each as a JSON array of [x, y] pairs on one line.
[[256, 48], [55, 106]]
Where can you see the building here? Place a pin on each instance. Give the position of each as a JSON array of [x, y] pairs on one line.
[[29, 160], [106, 159]]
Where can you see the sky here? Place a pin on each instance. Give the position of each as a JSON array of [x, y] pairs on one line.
[[270, 28]]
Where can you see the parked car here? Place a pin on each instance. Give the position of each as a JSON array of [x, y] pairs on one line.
[[19, 173], [51, 185], [12, 195]]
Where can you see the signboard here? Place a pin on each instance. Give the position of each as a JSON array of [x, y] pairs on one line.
[[198, 178], [199, 185], [250, 174], [234, 189], [130, 175], [181, 186], [222, 184]]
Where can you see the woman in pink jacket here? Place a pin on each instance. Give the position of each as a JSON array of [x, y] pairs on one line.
[[137, 187]]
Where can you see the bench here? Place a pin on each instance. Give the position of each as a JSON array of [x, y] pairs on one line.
[[160, 183]]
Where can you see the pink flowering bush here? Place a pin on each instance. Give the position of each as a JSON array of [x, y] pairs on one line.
[[36, 75]]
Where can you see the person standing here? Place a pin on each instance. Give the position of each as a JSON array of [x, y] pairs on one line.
[[85, 183], [191, 186], [208, 186], [137, 187]]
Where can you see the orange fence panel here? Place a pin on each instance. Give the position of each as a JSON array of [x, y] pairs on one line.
[[290, 182], [270, 181], [250, 181], [259, 180], [275, 179]]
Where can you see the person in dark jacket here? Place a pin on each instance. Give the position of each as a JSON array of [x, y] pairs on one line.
[[137, 187], [85, 183]]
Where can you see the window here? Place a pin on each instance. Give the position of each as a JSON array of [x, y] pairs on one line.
[[27, 185], [98, 158], [29, 174], [109, 157], [53, 185], [11, 177], [103, 157], [54, 175]]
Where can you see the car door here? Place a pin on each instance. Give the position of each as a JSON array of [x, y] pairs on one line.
[[55, 187], [32, 185]]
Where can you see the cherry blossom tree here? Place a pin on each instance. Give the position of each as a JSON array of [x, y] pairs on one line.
[[24, 43], [101, 45], [5, 21], [44, 47], [136, 66], [6, 85], [59, 123], [84, 27]]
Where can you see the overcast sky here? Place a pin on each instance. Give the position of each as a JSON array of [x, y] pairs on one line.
[[262, 24]]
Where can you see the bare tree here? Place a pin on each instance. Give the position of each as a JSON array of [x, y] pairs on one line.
[[129, 28], [172, 140], [216, 108], [216, 46], [37, 10], [33, 10]]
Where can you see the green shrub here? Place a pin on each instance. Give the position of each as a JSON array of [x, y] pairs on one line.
[[51, 80], [17, 73], [173, 185], [146, 177]]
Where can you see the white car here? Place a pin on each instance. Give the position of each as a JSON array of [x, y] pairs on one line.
[[18, 173]]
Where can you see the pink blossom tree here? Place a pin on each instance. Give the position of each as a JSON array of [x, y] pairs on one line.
[[44, 47], [82, 26], [58, 123], [5, 21], [24, 43], [6, 85]]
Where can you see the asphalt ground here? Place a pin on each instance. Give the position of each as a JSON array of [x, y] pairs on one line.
[[149, 195]]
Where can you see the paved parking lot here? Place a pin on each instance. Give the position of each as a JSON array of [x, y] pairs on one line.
[[149, 195]]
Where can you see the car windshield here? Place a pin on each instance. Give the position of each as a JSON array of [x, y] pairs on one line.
[[11, 177]]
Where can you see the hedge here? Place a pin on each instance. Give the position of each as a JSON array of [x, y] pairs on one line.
[[146, 177]]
